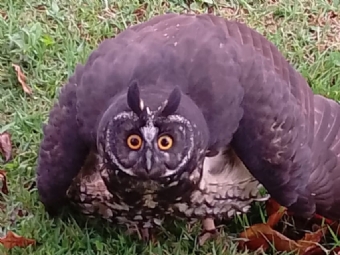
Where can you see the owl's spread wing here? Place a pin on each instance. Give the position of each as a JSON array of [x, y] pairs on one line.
[[62, 151], [288, 138], [273, 139]]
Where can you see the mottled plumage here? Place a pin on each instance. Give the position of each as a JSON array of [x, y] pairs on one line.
[[237, 113]]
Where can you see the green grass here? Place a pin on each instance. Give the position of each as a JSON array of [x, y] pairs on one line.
[[47, 39]]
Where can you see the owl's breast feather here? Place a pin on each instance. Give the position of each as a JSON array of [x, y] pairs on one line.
[[225, 188]]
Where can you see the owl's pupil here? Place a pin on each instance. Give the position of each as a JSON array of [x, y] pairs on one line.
[[165, 142], [134, 142]]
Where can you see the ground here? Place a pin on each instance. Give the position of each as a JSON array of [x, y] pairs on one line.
[[47, 38]]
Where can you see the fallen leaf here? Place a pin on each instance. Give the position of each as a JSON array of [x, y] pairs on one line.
[[267, 234], [22, 79], [3, 14], [262, 235], [2, 207], [327, 221], [3, 180], [140, 12], [276, 217], [40, 7], [272, 206], [311, 240], [13, 240], [6, 146], [319, 251], [30, 185]]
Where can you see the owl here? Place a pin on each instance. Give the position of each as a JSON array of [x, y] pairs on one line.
[[188, 116]]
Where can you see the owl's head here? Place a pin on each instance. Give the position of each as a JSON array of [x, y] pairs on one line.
[[155, 135]]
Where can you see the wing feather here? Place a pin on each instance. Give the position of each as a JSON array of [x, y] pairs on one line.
[[276, 132], [324, 181]]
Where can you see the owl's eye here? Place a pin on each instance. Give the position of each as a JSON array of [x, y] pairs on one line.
[[165, 142], [134, 142]]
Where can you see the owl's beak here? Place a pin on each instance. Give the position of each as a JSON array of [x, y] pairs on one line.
[[148, 160], [149, 171]]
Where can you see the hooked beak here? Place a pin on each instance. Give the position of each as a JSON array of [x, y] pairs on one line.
[[148, 161], [149, 169]]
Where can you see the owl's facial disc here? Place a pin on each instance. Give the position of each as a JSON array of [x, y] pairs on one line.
[[150, 144], [153, 149]]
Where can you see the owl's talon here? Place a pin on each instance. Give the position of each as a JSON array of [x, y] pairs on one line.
[[207, 235], [148, 235], [144, 234], [209, 231]]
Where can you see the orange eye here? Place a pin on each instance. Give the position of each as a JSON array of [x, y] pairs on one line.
[[165, 142], [134, 142]]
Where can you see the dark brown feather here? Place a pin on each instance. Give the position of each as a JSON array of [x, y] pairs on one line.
[[324, 181]]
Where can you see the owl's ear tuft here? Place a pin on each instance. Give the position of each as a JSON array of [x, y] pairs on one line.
[[133, 98], [172, 103]]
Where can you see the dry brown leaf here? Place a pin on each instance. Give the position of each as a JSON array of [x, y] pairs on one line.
[[311, 240], [3, 180], [12, 240], [30, 185], [40, 7], [140, 11], [3, 14], [6, 146], [2, 207], [321, 218], [318, 251], [22, 79], [274, 218], [262, 235], [272, 206]]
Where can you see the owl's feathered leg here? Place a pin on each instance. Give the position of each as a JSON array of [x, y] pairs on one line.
[[209, 231], [146, 234]]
